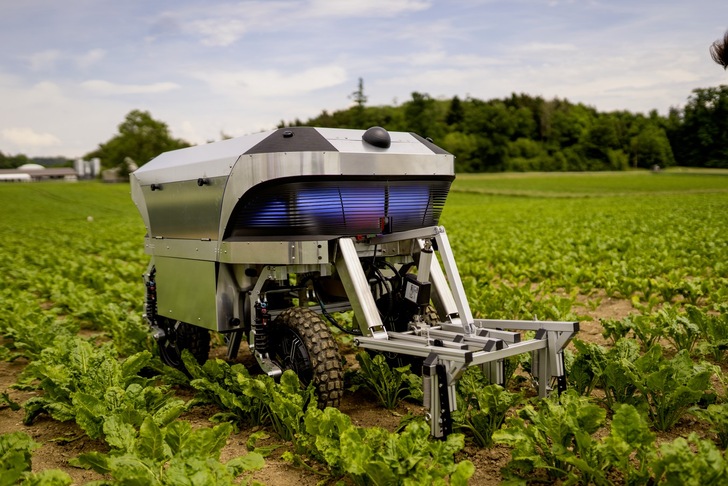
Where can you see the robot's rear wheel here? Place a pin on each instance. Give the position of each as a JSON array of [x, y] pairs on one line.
[[179, 336]]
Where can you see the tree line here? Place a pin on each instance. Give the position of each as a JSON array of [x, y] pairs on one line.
[[526, 133], [518, 133]]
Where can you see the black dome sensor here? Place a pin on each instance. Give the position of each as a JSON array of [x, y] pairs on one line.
[[378, 137]]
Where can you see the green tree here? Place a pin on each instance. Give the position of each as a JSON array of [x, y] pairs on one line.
[[359, 99], [700, 134], [358, 96], [13, 161], [463, 146], [599, 143], [455, 113], [5, 162], [421, 115], [523, 132], [651, 147], [524, 155], [140, 138]]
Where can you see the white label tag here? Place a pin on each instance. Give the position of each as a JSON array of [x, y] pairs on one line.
[[411, 291]]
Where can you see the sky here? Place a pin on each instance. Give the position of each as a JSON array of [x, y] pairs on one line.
[[71, 70]]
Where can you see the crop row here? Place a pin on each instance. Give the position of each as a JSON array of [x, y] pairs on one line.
[[72, 260]]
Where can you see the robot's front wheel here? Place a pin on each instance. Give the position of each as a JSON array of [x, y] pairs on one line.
[[302, 342]]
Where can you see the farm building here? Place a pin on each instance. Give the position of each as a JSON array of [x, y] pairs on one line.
[[36, 172]]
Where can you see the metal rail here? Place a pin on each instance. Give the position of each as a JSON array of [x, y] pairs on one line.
[[450, 347]]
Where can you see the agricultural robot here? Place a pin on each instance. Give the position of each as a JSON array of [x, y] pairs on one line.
[[265, 236]]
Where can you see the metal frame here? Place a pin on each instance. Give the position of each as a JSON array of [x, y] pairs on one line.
[[460, 342]]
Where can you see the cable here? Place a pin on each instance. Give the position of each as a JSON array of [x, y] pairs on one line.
[[325, 313]]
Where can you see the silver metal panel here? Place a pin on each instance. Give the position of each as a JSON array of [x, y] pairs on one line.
[[382, 164], [565, 326], [185, 209], [357, 288], [395, 345], [391, 249], [442, 297], [138, 197], [229, 303], [426, 232], [350, 141], [456, 285], [207, 160], [186, 291], [523, 347], [190, 249], [275, 252]]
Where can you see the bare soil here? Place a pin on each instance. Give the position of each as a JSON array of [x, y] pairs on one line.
[[60, 441]]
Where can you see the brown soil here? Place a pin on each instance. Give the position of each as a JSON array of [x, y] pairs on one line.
[[60, 442]]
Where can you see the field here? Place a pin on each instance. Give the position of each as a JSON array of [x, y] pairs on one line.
[[639, 258]]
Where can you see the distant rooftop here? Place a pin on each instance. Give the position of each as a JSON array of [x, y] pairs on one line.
[[37, 172]]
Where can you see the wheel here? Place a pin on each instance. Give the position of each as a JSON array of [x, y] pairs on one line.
[[302, 342], [178, 336]]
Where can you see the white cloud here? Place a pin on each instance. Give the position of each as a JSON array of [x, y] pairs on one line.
[[29, 137], [369, 8], [109, 88], [44, 59], [90, 57], [45, 91], [544, 47], [227, 23], [273, 83], [219, 31], [53, 58]]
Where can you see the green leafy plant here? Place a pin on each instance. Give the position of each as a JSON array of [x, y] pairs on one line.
[[105, 396], [556, 439], [713, 331], [15, 463], [284, 403], [389, 385], [6, 401], [615, 329], [618, 387], [74, 365], [692, 461], [630, 446], [258, 400], [717, 416], [680, 330], [15, 456], [172, 455], [670, 386], [217, 382], [482, 407], [28, 331], [374, 456], [584, 371], [646, 329]]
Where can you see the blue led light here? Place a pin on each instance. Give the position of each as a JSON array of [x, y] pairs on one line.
[[343, 207]]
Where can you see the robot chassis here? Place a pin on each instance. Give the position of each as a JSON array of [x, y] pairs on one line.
[[328, 220]]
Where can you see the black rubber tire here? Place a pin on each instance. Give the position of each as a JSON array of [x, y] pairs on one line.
[[179, 336], [301, 341]]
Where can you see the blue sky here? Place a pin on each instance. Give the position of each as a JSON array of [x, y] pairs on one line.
[[71, 70]]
